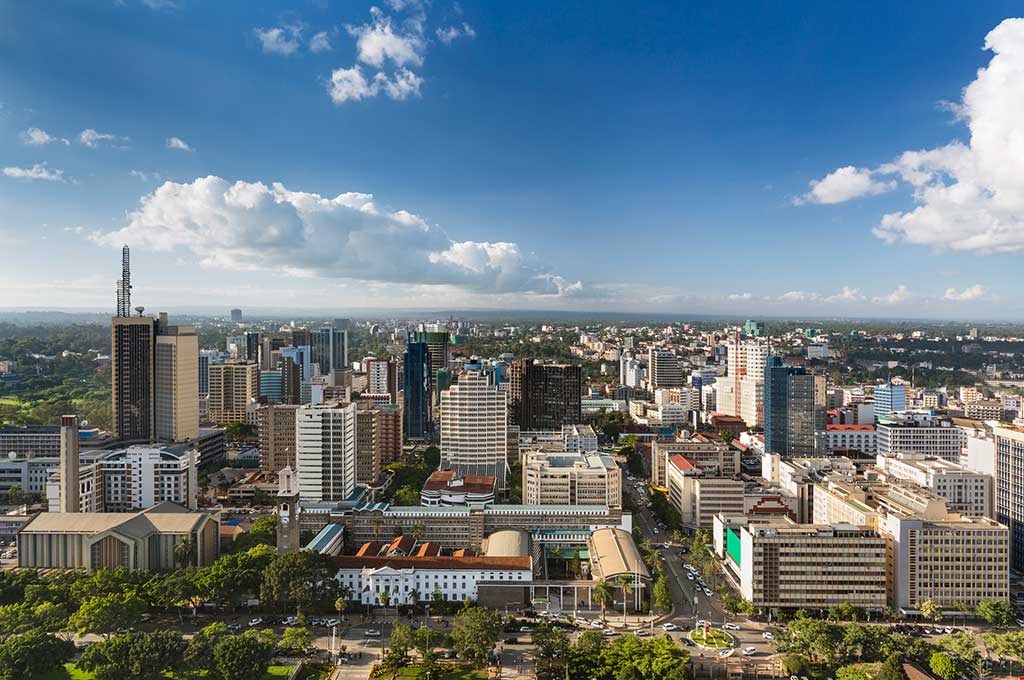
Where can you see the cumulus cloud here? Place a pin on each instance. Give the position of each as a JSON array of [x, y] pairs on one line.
[[843, 185], [178, 143], [378, 42], [970, 293], [252, 226], [283, 40], [145, 176], [800, 296], [37, 171], [349, 84], [739, 296], [320, 42], [847, 294], [970, 196], [448, 34], [899, 295], [92, 139], [37, 137]]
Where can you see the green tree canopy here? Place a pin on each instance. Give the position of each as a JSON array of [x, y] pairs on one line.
[[475, 633]]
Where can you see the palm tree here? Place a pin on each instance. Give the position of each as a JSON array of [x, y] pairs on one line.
[[185, 552], [414, 598], [963, 609], [383, 598], [418, 531], [376, 523], [341, 604], [602, 594], [626, 583]]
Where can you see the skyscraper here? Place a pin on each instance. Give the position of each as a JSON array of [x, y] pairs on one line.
[[1009, 483], [276, 426], [176, 380], [232, 385], [236, 315], [382, 377], [329, 349], [325, 438], [418, 420], [474, 428], [253, 346], [545, 396], [794, 410], [663, 369], [132, 344], [890, 398], [437, 344]]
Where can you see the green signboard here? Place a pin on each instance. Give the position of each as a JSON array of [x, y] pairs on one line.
[[732, 545]]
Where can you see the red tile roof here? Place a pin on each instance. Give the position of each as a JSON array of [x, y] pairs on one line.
[[436, 562], [371, 548], [681, 463]]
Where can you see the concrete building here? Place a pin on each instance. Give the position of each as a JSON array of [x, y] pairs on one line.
[[378, 439], [545, 396], [176, 382], [474, 428], [745, 380], [325, 440], [919, 432], [446, 489], [889, 398], [851, 437], [663, 369], [1009, 488], [109, 540], [276, 427], [579, 438], [985, 409], [966, 491], [382, 378], [68, 471], [233, 385], [142, 476], [711, 454], [571, 479], [132, 382], [699, 498]]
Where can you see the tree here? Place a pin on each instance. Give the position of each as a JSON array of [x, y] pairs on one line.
[[626, 584], [242, 657], [550, 642], [931, 610], [852, 673], [844, 611], [963, 608], [262, 532], [340, 605], [33, 655], [301, 579], [199, 658], [16, 496], [602, 594], [185, 552], [297, 639], [943, 666], [475, 633], [141, 656], [418, 531], [996, 612], [662, 594], [401, 641], [107, 613], [376, 524], [407, 494]]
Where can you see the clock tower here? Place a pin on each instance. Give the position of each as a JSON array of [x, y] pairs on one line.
[[288, 511]]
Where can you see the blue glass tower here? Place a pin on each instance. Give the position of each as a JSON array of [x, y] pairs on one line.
[[417, 417]]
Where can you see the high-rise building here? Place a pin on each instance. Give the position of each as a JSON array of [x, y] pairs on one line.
[[1009, 484], [325, 439], [889, 398], [794, 410], [132, 345], [545, 396], [329, 350], [270, 386], [474, 428], [176, 381], [754, 329], [663, 369], [236, 315], [69, 464], [207, 357], [253, 346], [919, 432], [276, 426], [437, 345], [417, 391], [631, 372], [382, 377], [745, 395], [232, 386], [571, 479], [291, 381]]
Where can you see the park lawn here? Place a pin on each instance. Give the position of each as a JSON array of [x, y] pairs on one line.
[[716, 639], [460, 673], [72, 672]]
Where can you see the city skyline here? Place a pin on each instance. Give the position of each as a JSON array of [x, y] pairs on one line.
[[662, 160]]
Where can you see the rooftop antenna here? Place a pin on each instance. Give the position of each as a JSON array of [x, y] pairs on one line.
[[124, 286], [140, 309]]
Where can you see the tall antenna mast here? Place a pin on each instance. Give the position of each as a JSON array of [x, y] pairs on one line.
[[124, 286]]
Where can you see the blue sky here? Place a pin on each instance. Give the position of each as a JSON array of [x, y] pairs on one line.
[[591, 156]]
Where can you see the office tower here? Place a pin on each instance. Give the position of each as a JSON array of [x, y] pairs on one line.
[[289, 537], [382, 377], [253, 346], [69, 463], [236, 315], [794, 410], [270, 386], [417, 399], [291, 381], [442, 381], [132, 342], [631, 372], [545, 396], [754, 329], [890, 398], [474, 428], [571, 479], [745, 395], [329, 350], [300, 337], [919, 432], [301, 356], [176, 381], [232, 386], [234, 345], [325, 440], [437, 345], [663, 369], [206, 357], [343, 324], [378, 439], [275, 424], [1009, 483]]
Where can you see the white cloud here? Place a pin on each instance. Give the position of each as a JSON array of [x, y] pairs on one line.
[[178, 143], [92, 139], [349, 84], [320, 42], [378, 42], [283, 40], [74, 230], [448, 34], [37, 171], [145, 176], [970, 293], [800, 296], [843, 185], [897, 296], [36, 137], [740, 296], [847, 294], [160, 4], [970, 196], [252, 226]]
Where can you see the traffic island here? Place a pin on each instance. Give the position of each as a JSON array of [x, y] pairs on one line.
[[716, 639]]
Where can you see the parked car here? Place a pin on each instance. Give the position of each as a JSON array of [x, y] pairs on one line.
[[668, 625], [767, 635], [255, 622], [372, 633], [511, 641], [641, 632], [749, 651], [525, 629], [730, 626], [608, 632]]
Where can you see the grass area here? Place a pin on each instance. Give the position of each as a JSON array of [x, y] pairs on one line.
[[10, 401], [716, 639], [72, 672], [451, 673]]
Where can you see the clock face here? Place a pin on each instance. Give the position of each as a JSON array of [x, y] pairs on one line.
[[284, 520]]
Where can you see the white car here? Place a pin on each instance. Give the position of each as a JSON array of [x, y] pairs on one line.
[[373, 633], [689, 577], [749, 651], [767, 635], [596, 624], [730, 626], [255, 622], [582, 621], [608, 632], [669, 626]]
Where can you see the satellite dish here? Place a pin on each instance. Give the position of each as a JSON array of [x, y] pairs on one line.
[[12, 455]]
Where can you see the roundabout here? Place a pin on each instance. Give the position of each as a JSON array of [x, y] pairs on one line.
[[716, 639]]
